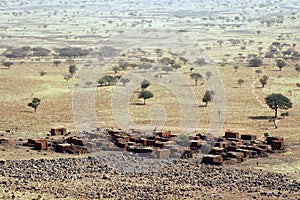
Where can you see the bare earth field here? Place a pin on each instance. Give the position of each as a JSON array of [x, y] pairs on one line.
[[137, 29]]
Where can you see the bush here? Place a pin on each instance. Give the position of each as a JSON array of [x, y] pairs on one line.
[[42, 73], [255, 62], [284, 114]]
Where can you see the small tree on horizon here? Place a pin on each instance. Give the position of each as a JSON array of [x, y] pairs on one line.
[[116, 69], [34, 103], [278, 101], [56, 62], [8, 64], [145, 95], [167, 69], [145, 66], [124, 81], [176, 66]]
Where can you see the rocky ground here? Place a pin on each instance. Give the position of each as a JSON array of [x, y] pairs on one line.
[[127, 176]]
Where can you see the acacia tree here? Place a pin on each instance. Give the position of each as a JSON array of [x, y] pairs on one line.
[[124, 81], [176, 66], [196, 77], [144, 84], [34, 103], [116, 69], [278, 101], [255, 62], [200, 61], [280, 64], [145, 66], [208, 75], [258, 72], [264, 80], [56, 62], [8, 64], [167, 69], [208, 96], [240, 82], [145, 95], [235, 67], [72, 70]]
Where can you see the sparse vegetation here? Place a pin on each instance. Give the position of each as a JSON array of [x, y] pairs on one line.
[[34, 103]]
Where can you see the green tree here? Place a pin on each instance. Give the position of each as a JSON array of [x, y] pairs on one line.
[[72, 70], [240, 82], [208, 75], [176, 66], [145, 66], [208, 96], [42, 73], [124, 81], [155, 68], [235, 67], [258, 71], [116, 69], [184, 140], [278, 101], [280, 64], [102, 81], [196, 77], [56, 62], [144, 84], [200, 61], [167, 69], [264, 80], [8, 64], [34, 103], [110, 79], [255, 62], [146, 95]]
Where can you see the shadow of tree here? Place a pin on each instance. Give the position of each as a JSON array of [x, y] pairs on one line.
[[260, 117]]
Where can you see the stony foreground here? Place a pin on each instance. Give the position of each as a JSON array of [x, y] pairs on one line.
[[126, 176]]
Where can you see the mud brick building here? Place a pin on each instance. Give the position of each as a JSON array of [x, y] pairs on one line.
[[58, 131]]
